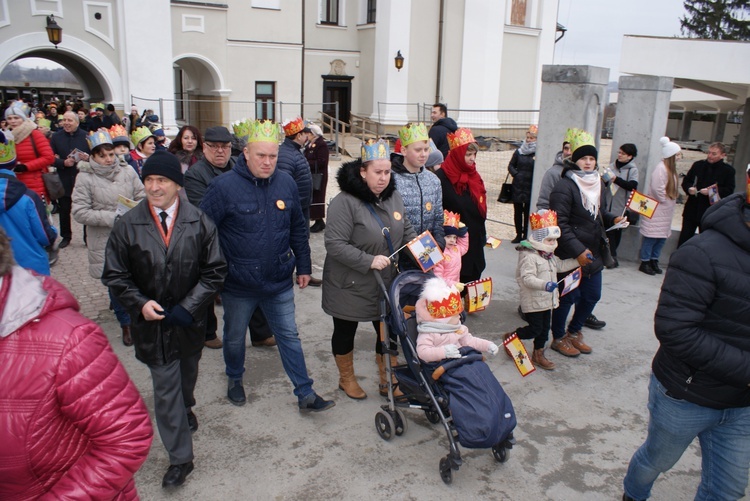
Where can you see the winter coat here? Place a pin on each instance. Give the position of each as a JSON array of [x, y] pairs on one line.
[[316, 153], [431, 345], [138, 267], [199, 176], [472, 263], [95, 203], [35, 153], [439, 134], [702, 175], [521, 167], [702, 321], [262, 230], [449, 269], [549, 180], [24, 218], [532, 274], [74, 424], [423, 199], [62, 145], [618, 189], [293, 162], [353, 238], [579, 230], [660, 224]]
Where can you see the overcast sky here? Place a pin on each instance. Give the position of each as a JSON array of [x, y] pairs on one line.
[[595, 28]]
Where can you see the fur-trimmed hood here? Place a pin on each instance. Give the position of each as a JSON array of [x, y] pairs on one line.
[[350, 181]]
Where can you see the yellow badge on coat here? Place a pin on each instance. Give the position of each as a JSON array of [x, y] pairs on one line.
[[397, 216], [428, 206], [280, 204]]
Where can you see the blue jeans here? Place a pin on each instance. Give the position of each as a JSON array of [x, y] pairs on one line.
[[120, 312], [724, 437], [279, 311], [651, 248], [585, 298]]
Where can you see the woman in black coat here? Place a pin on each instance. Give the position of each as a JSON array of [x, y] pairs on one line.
[[521, 167], [316, 153]]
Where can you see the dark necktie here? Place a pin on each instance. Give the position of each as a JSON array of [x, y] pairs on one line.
[[163, 215]]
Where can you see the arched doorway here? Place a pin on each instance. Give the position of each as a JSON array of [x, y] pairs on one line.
[[199, 92]]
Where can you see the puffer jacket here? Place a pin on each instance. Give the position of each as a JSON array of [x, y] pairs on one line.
[[95, 202], [423, 198], [74, 424], [702, 320], [521, 167], [292, 161], [35, 153], [532, 274], [660, 224], [262, 230], [139, 267], [353, 238], [439, 134], [549, 180]]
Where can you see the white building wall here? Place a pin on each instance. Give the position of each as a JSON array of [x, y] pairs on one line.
[[390, 86]]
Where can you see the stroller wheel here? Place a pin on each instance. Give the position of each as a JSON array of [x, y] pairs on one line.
[[501, 453], [445, 470], [384, 425], [432, 416], [400, 421]]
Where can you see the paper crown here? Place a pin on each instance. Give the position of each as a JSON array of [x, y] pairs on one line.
[[94, 106], [98, 138], [375, 150], [118, 133], [241, 128], [452, 224], [294, 126], [7, 152], [541, 220], [460, 137], [264, 132], [43, 122], [442, 300], [533, 129], [411, 133], [578, 138], [140, 134]]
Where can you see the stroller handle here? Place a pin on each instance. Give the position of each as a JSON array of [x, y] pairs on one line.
[[381, 283], [455, 362]]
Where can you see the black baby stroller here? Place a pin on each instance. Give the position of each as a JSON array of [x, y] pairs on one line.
[[461, 393]]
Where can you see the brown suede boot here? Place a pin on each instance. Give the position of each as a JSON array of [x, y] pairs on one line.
[[383, 386], [539, 360], [127, 339], [576, 339], [347, 381]]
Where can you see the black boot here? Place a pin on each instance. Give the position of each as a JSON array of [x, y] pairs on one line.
[[655, 266], [646, 268]]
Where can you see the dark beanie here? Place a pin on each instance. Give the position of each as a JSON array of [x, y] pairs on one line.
[[586, 149], [163, 163]]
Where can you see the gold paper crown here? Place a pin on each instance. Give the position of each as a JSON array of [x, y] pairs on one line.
[[578, 138], [117, 131], [140, 134], [447, 307], [460, 137], [411, 133], [98, 138], [43, 122], [241, 128], [94, 106], [294, 126], [375, 150], [7, 152], [451, 218], [264, 131], [545, 220], [533, 129]]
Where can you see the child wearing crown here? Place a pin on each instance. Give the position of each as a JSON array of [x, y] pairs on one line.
[[536, 275], [441, 333], [456, 245]]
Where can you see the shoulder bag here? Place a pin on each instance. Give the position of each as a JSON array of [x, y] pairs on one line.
[[506, 192], [52, 182]]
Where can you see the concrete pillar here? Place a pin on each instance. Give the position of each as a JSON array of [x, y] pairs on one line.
[[572, 96], [642, 112], [742, 155], [687, 122], [720, 125]]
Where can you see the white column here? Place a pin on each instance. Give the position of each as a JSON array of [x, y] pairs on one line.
[[392, 28], [547, 21]]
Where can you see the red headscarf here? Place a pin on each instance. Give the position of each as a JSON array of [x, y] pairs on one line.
[[462, 176]]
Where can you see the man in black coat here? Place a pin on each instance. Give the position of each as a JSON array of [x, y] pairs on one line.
[[165, 266], [700, 384], [702, 174], [441, 126]]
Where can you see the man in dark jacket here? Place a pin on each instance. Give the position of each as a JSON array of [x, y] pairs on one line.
[[441, 126], [264, 237], [701, 373], [702, 174], [217, 144], [63, 143], [164, 265]]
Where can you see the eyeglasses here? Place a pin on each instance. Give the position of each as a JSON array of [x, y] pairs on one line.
[[213, 146]]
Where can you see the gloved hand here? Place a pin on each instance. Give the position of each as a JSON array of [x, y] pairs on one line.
[[459, 286], [493, 349], [451, 351], [20, 168], [178, 316], [550, 286]]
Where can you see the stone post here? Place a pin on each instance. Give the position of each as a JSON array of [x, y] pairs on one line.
[[687, 122], [720, 125]]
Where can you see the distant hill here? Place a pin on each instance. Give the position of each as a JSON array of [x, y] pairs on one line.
[[14, 72]]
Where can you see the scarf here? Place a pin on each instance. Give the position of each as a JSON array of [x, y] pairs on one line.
[[462, 176], [527, 148], [589, 184], [108, 172], [438, 327], [23, 131]]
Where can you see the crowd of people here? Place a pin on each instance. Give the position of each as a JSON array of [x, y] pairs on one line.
[[173, 228]]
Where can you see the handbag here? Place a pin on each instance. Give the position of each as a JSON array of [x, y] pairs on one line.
[[506, 192], [52, 182], [605, 251], [317, 181]]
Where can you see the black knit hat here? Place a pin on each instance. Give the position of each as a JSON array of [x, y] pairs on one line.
[[585, 150], [163, 163]]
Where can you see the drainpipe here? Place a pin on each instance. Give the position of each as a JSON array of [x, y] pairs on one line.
[[438, 82], [302, 78]]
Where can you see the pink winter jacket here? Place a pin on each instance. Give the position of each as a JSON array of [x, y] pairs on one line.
[[449, 269], [660, 224], [431, 345], [72, 424]]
